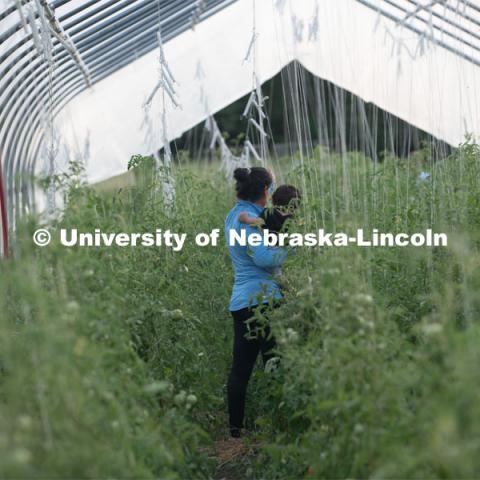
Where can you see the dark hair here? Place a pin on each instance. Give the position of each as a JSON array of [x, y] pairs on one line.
[[251, 182], [284, 194]]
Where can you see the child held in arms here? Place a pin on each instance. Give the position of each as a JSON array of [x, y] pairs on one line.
[[285, 200]]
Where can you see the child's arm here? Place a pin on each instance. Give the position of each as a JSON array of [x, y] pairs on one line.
[[245, 218]]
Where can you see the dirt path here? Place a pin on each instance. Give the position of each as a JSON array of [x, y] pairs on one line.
[[232, 456]]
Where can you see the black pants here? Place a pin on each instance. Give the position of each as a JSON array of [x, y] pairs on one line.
[[249, 339]]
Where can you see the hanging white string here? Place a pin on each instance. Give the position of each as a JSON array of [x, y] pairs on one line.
[[228, 161], [40, 23], [59, 33], [50, 26], [163, 160], [250, 47], [314, 26], [254, 109]]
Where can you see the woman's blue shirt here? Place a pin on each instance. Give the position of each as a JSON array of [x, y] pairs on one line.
[[253, 265]]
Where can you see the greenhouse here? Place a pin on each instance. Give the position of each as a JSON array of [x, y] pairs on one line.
[[137, 137]]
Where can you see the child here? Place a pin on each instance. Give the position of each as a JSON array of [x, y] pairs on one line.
[[285, 201]]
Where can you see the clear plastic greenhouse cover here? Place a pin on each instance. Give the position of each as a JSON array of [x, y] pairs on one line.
[[82, 78]]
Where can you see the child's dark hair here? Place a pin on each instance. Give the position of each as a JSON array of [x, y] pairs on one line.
[[251, 182], [286, 195]]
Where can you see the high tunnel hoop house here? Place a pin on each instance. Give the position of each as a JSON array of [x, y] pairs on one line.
[[416, 59]]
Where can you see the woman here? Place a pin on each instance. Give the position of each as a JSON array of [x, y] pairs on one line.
[[253, 287]]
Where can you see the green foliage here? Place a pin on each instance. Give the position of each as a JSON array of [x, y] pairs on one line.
[[378, 360], [114, 360], [103, 350]]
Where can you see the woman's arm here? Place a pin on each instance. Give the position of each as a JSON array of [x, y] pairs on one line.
[[266, 257]]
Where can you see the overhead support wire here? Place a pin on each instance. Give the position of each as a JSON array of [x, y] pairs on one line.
[[418, 9], [396, 19]]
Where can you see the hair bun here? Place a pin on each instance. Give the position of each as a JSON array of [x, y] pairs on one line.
[[241, 175], [251, 182]]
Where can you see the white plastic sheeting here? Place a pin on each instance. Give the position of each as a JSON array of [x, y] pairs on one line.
[[342, 41]]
